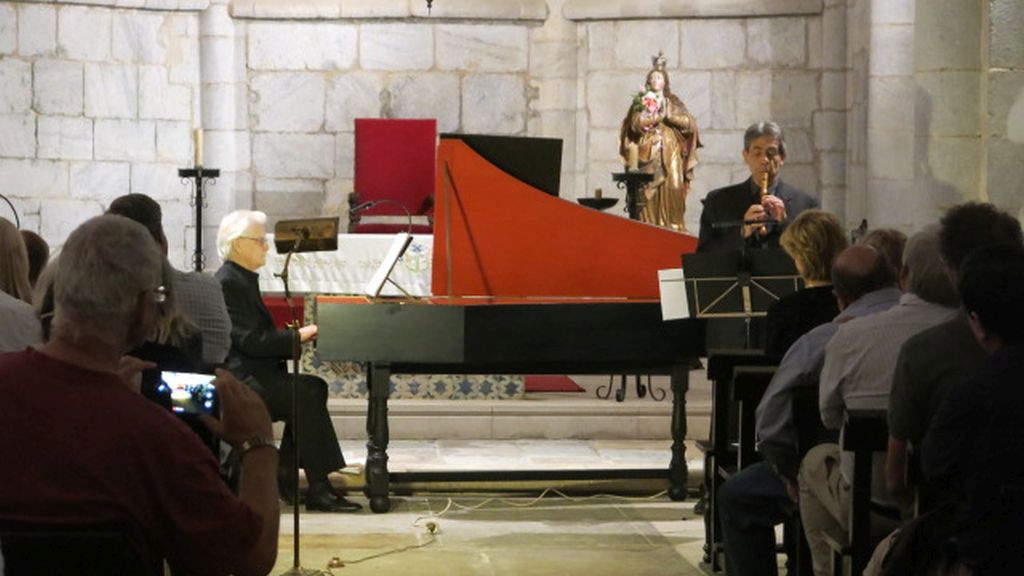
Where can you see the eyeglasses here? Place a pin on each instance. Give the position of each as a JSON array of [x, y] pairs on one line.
[[262, 241], [160, 294]]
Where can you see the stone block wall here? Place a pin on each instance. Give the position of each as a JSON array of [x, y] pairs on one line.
[[894, 109], [95, 102]]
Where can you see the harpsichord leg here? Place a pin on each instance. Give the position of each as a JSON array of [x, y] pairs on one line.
[[677, 472], [378, 380]]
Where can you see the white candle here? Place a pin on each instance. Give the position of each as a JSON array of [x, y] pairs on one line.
[[197, 137], [632, 161]]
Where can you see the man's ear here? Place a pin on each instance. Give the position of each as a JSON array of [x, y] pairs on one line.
[[990, 342], [138, 328]]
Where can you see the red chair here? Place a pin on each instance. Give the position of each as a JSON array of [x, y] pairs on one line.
[[395, 166]]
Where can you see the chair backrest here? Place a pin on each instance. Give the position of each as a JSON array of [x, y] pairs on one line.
[[864, 433], [395, 168], [37, 549]]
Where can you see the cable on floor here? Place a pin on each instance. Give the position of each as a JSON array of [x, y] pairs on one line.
[[432, 527]]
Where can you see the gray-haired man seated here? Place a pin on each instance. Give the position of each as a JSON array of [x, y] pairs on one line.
[[82, 446]]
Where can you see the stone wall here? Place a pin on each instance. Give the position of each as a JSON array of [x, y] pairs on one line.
[[894, 109], [96, 102]]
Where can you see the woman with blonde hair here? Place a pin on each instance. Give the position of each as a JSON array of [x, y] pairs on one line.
[[14, 263], [812, 240], [21, 326]]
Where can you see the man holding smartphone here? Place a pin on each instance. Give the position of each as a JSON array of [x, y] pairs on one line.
[[82, 446]]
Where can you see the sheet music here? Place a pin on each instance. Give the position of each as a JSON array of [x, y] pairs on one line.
[[398, 247], [672, 289]]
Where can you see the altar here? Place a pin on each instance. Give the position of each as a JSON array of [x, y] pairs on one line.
[[348, 270]]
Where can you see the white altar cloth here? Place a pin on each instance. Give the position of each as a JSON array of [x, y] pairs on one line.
[[347, 270]]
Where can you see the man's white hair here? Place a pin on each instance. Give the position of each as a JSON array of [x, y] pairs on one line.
[[234, 226], [104, 266]]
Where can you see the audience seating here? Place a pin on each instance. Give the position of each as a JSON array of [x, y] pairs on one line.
[[864, 433], [720, 453], [31, 549]]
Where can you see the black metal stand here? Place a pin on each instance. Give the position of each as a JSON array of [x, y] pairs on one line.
[[296, 568], [633, 182], [199, 174]]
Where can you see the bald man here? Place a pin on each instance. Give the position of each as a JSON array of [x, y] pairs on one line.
[[753, 501]]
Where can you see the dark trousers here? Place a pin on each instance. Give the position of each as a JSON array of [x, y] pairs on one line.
[[750, 504], [319, 451]]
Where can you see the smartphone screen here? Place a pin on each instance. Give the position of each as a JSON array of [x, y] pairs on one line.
[[188, 392]]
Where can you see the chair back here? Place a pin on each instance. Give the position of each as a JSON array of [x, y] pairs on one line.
[[32, 549], [395, 170]]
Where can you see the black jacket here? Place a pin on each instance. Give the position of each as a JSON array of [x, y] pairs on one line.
[[724, 209], [258, 348]]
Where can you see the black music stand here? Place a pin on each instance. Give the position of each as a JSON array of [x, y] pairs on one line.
[[738, 284], [292, 237]]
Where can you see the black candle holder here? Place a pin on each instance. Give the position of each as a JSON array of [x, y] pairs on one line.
[[633, 181], [198, 175]]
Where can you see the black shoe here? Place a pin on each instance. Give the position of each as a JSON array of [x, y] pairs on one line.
[[321, 499]]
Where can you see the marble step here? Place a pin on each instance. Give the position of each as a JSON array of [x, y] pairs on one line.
[[542, 416]]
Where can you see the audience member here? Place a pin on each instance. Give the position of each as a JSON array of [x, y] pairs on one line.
[[857, 373], [38, 254], [936, 358], [889, 243], [975, 444], [757, 498], [81, 446], [813, 241], [260, 350], [21, 326], [725, 209], [198, 296]]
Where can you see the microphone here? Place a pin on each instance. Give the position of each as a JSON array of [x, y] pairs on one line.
[[364, 206], [738, 223], [301, 232], [370, 204]]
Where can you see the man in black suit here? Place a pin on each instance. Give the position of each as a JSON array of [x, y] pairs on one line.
[[259, 350], [725, 209]]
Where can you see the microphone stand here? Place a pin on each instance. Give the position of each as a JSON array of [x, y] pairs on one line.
[[17, 220], [291, 236], [296, 568]]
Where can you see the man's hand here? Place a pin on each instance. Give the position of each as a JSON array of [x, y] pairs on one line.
[[243, 414], [307, 333], [130, 370], [754, 213], [775, 207]]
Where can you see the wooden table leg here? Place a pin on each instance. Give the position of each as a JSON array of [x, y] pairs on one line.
[[378, 381]]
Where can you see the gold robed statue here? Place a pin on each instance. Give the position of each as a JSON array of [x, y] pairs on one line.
[[660, 137]]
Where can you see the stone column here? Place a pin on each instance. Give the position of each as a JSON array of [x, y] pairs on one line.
[[948, 107], [891, 193], [1004, 171], [224, 115]]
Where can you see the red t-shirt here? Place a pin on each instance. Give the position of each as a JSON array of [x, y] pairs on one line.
[[77, 447]]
